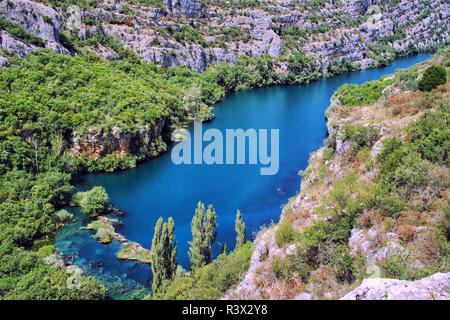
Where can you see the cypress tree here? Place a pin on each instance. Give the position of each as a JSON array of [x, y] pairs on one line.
[[163, 252], [224, 248], [210, 233], [203, 236], [240, 230]]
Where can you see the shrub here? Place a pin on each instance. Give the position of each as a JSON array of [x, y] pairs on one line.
[[412, 176], [401, 266], [386, 157], [63, 216], [18, 31], [104, 235], [94, 201], [285, 232], [358, 95], [433, 77], [406, 232], [361, 136], [47, 250], [343, 263], [430, 136], [178, 289], [285, 268]]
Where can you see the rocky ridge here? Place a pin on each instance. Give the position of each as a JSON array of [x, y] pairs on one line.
[[198, 34]]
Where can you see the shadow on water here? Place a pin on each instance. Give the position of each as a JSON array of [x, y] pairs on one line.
[[159, 188]]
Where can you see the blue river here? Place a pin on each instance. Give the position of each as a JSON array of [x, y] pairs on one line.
[[159, 188]]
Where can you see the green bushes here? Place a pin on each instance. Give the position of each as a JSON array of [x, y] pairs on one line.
[[104, 235], [295, 32], [408, 77], [388, 203], [433, 77], [285, 268], [360, 136], [302, 68], [430, 136], [63, 216], [401, 266], [412, 175], [247, 73], [93, 202], [285, 232], [358, 95], [190, 35], [337, 67]]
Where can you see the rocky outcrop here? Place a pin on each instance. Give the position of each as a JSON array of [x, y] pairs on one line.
[[4, 62], [436, 287], [99, 143], [189, 8], [37, 19], [14, 46]]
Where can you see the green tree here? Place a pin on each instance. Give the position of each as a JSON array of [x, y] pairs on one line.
[[95, 201], [433, 77], [203, 236], [163, 253], [240, 230]]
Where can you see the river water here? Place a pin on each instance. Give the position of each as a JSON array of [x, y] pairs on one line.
[[158, 187]]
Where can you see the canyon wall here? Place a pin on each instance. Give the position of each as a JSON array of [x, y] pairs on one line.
[[359, 31]]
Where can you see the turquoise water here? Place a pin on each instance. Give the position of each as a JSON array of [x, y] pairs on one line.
[[160, 188]]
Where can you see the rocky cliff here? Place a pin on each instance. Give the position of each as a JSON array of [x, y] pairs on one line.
[[99, 143], [197, 34], [304, 256]]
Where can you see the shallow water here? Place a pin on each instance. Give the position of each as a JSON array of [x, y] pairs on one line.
[[160, 188]]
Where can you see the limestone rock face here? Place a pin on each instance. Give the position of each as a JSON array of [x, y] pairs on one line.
[[190, 8], [37, 19], [4, 62], [99, 143], [436, 287], [141, 28], [14, 46]]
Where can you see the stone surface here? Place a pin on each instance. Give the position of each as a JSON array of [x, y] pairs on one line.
[[4, 62], [436, 287], [37, 19], [95, 144]]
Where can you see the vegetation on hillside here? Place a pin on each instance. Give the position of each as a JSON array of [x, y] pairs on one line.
[[395, 196]]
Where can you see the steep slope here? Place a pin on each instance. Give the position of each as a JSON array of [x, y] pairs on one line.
[[336, 34], [373, 201]]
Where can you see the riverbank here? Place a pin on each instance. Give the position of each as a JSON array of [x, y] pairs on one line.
[[349, 220]]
